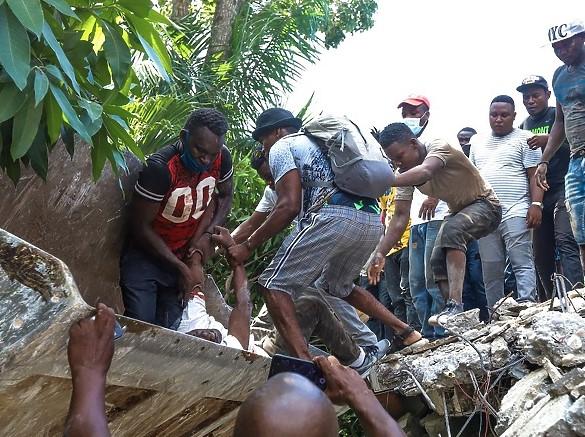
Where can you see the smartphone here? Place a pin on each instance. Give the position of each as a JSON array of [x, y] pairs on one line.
[[283, 363]]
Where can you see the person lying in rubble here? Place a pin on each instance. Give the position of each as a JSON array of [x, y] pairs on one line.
[[444, 172], [315, 316], [198, 322]]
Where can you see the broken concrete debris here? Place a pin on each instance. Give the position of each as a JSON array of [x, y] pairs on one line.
[[521, 375]]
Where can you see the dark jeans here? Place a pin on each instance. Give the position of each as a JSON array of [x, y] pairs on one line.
[[393, 292], [396, 272], [317, 319], [555, 236], [380, 292], [473, 288], [149, 290]]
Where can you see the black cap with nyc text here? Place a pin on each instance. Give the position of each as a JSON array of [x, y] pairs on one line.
[[532, 81]]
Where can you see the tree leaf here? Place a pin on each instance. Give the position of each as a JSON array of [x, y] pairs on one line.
[[94, 110], [62, 7], [14, 48], [118, 132], [54, 117], [39, 154], [41, 85], [55, 72], [61, 56], [99, 153], [153, 45], [12, 100], [25, 127], [117, 53], [69, 113], [29, 13], [139, 7]]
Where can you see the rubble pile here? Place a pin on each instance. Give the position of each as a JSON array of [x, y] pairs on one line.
[[523, 374]]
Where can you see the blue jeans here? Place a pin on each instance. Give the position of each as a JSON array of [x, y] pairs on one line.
[[575, 194], [426, 296], [473, 287]]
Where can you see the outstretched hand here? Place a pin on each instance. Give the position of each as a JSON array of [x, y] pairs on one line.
[[91, 343], [375, 268]]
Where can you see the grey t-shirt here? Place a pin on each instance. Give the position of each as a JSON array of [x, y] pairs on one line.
[[298, 152], [569, 86]]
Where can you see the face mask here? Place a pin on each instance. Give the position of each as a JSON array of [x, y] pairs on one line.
[[189, 161], [414, 125]]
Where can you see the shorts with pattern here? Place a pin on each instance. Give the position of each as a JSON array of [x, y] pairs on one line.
[[331, 245]]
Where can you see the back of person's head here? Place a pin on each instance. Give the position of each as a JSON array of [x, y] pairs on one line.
[[504, 99], [210, 118], [468, 129], [395, 133], [288, 405]]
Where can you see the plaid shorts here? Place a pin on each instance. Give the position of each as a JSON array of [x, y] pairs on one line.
[[331, 245]]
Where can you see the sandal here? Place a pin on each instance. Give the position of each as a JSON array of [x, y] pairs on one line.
[[405, 333]]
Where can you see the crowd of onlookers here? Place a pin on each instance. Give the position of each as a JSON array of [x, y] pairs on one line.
[[459, 227]]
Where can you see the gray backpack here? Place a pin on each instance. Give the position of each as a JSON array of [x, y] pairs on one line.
[[357, 159]]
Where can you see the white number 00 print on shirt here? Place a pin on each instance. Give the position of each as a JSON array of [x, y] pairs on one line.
[[206, 184]]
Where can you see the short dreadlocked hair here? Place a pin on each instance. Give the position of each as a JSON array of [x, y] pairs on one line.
[[395, 132], [207, 117]]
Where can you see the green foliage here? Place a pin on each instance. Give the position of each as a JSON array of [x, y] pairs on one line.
[[66, 66], [349, 425]]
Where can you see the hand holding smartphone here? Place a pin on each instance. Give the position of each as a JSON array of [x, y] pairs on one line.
[[308, 369]]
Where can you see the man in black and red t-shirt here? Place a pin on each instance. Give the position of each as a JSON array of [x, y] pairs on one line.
[[555, 233], [174, 211]]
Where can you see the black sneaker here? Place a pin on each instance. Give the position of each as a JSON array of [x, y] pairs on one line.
[[373, 354], [451, 309]]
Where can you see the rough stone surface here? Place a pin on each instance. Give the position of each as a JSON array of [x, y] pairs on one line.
[[575, 417], [523, 393], [558, 336], [463, 322], [499, 352]]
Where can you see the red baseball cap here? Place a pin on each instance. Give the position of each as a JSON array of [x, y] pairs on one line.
[[415, 100]]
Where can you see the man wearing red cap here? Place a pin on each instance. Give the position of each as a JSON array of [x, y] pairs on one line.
[[426, 215]]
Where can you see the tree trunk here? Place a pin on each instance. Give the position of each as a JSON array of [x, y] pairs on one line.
[[180, 9], [225, 14]]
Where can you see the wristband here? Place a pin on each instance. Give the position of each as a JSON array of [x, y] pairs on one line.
[[200, 252], [543, 162], [539, 204]]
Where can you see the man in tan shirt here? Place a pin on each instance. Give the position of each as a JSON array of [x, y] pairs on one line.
[[443, 172]]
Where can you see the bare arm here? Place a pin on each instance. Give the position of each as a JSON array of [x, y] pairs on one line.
[[556, 135], [142, 216], [534, 214], [288, 189], [224, 198], [248, 227], [420, 174], [239, 321], [345, 386], [394, 231]]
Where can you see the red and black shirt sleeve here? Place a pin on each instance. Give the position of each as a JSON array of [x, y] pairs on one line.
[[227, 169]]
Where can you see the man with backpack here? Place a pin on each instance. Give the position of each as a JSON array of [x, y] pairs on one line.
[[336, 231]]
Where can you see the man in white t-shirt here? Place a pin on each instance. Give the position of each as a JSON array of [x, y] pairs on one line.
[[507, 163]]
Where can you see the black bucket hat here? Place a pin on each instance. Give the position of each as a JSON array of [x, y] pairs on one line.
[[274, 118]]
